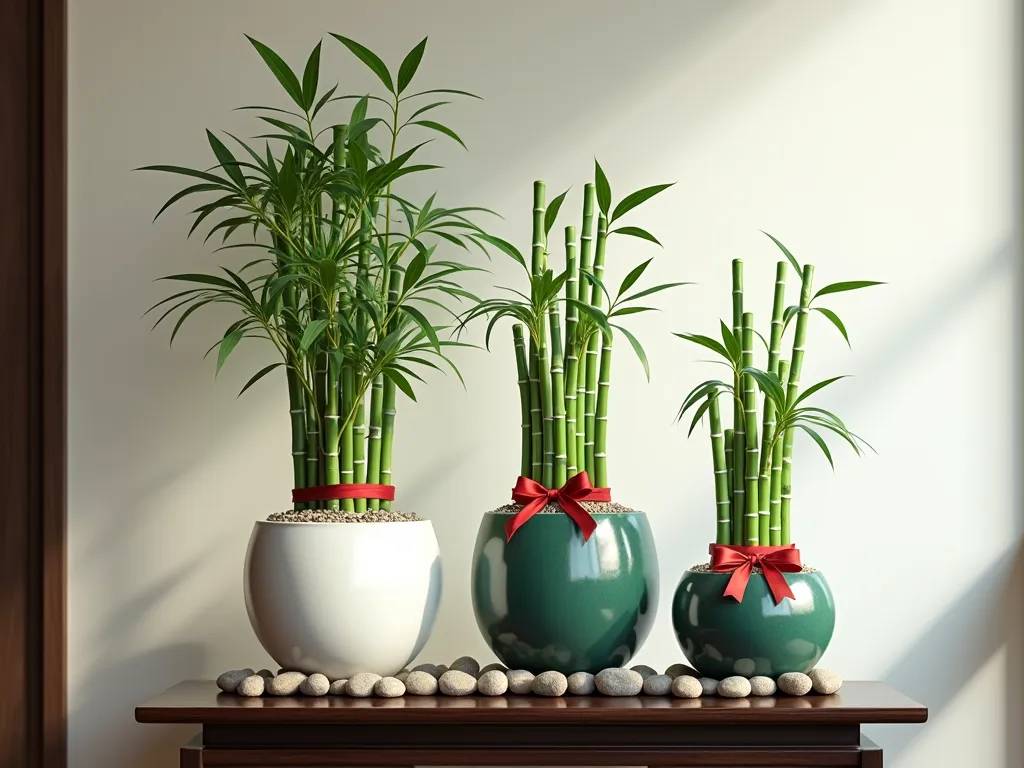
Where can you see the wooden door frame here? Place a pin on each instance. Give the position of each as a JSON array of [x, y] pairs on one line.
[[33, 389]]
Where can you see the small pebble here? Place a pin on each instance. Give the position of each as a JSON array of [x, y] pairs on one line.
[[495, 666], [795, 684], [338, 687], [466, 664], [657, 685], [709, 686], [402, 675], [265, 673], [519, 680], [315, 685], [389, 688], [285, 684], [430, 669], [494, 682], [825, 681], [361, 684], [644, 671], [253, 685], [734, 687], [421, 683], [441, 669], [616, 681], [762, 686], [228, 682], [688, 687], [581, 683], [455, 683], [678, 670], [549, 684]]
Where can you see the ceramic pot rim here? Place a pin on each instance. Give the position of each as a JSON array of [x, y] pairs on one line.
[[551, 514], [295, 524], [728, 573]]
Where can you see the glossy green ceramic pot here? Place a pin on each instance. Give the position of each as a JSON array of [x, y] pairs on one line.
[[722, 637], [548, 600]]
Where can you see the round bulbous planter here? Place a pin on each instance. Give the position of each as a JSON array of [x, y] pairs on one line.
[[548, 600], [342, 598], [722, 637]]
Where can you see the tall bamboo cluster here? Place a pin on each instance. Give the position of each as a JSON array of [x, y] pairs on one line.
[[753, 457]]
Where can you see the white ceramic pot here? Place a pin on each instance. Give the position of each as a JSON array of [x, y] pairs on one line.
[[341, 598]]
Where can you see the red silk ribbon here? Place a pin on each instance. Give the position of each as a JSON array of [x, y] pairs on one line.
[[535, 497], [344, 491], [740, 561]]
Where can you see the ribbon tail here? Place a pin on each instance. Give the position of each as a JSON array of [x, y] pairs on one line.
[[776, 582], [580, 516], [519, 518], [737, 585]]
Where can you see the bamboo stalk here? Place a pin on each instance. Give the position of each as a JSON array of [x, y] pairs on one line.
[[768, 427], [738, 421], [537, 383], [730, 473], [374, 438], [571, 288], [775, 504], [579, 348], [593, 350], [359, 451], [338, 469], [387, 437], [558, 398], [296, 417], [601, 418], [522, 367], [792, 392], [536, 419], [547, 408], [751, 476], [571, 354], [723, 503]]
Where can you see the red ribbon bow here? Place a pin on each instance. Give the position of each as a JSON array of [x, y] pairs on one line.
[[344, 491], [535, 497], [727, 558]]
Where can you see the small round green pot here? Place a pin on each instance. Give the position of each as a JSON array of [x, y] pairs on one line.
[[722, 637], [548, 600]]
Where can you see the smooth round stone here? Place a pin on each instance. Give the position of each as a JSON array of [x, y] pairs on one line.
[[519, 680], [494, 682], [361, 684], [402, 675], [228, 682], [795, 684], [549, 684], [389, 688], [441, 669], [688, 687], [762, 686], [420, 683], [581, 683], [337, 687], [492, 667], [825, 681], [709, 686], [315, 685], [678, 670], [466, 664], [657, 685], [455, 683], [644, 671], [734, 687], [430, 669], [616, 681], [253, 685], [266, 673], [285, 684]]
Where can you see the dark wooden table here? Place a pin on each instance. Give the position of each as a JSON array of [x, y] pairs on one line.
[[530, 730]]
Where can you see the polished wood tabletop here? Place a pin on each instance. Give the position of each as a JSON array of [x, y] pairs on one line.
[[200, 701]]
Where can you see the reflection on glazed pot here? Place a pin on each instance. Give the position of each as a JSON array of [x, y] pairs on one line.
[[547, 600], [722, 637]]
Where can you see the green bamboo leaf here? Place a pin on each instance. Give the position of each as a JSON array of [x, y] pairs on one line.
[[816, 387], [632, 200], [654, 289], [769, 384], [311, 333], [731, 343], [194, 189], [593, 313], [443, 90], [287, 180], [410, 64], [632, 277], [786, 253], [427, 108], [420, 319], [638, 349], [434, 126], [700, 392], [184, 315], [820, 441], [632, 311], [311, 78], [227, 345], [323, 100], [205, 176], [370, 59], [281, 71], [593, 279], [707, 342], [850, 285], [643, 234], [699, 414], [604, 190], [552, 211], [505, 247], [328, 270], [357, 130], [834, 319], [220, 282], [259, 376], [401, 382], [414, 271]]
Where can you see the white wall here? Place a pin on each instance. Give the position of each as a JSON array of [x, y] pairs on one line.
[[878, 138]]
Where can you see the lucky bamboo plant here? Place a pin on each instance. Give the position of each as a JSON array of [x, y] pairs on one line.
[[564, 369], [753, 477], [349, 266]]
